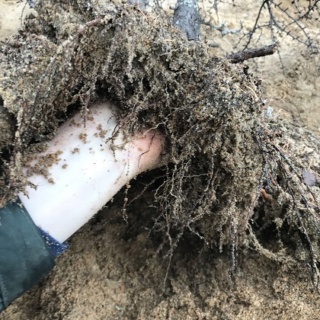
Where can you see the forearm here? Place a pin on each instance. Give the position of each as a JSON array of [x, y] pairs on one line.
[[85, 169]]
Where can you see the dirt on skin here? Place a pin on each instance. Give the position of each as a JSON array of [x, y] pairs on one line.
[[113, 269]]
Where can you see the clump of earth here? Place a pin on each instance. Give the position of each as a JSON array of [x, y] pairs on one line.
[[227, 229]]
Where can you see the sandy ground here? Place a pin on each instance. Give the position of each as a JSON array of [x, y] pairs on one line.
[[12, 14], [111, 270]]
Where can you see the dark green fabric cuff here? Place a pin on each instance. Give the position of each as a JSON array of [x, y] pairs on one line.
[[24, 255]]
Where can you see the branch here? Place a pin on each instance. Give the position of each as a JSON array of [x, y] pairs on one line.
[[252, 53], [223, 28], [187, 18]]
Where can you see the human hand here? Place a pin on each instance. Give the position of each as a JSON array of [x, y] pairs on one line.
[[86, 169]]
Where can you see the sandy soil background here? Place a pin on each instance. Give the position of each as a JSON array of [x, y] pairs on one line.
[[111, 270], [12, 13]]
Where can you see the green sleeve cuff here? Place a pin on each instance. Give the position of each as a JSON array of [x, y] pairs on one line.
[[24, 255]]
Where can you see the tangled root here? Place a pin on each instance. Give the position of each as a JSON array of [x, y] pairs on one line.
[[227, 180]]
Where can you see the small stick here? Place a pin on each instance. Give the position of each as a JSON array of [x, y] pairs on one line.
[[186, 17], [252, 53]]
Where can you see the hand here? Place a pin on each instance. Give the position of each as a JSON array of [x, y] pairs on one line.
[[86, 170]]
